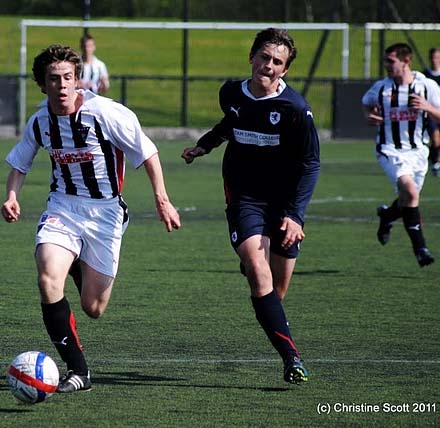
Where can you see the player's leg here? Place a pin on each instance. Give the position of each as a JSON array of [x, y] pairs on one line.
[[254, 255], [53, 262], [96, 291], [435, 148], [409, 200], [388, 214], [282, 270]]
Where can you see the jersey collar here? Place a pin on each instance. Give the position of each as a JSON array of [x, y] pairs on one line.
[[244, 87]]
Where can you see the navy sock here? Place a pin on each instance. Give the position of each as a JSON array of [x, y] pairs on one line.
[[270, 314], [413, 226], [61, 326]]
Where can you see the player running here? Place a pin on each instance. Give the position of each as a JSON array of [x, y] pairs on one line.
[[270, 168], [87, 138], [399, 106]]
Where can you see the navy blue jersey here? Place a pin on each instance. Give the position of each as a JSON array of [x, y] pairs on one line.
[[434, 76], [273, 147]]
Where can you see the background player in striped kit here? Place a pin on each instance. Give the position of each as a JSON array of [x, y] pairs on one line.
[[433, 72], [399, 106], [270, 168], [94, 75], [87, 138]]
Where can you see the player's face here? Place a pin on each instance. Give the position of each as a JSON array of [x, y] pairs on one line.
[[89, 47], [60, 85], [435, 60], [394, 66], [268, 66]]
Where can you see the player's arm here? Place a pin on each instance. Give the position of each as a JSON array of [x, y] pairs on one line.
[[307, 173], [166, 211], [213, 138], [220, 133], [11, 207]]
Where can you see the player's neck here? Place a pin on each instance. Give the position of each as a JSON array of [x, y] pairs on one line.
[[406, 79]]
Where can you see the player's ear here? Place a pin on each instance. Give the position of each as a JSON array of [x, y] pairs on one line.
[[284, 72]]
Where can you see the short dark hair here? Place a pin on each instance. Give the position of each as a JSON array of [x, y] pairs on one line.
[[84, 39], [274, 36], [55, 53], [402, 50], [432, 51]]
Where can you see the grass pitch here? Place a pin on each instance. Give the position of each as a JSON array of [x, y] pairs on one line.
[[179, 345]]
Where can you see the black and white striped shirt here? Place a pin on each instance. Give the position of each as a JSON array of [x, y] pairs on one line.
[[87, 149], [404, 128]]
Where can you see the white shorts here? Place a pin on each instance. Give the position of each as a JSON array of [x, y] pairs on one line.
[[409, 162], [90, 228]]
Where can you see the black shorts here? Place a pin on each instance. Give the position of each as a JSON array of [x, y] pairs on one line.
[[249, 217]]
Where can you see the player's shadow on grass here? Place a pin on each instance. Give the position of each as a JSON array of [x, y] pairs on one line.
[[235, 271], [134, 378]]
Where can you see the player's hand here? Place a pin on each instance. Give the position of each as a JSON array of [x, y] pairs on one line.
[[11, 211], [169, 215], [191, 153], [374, 118], [294, 232], [418, 102]]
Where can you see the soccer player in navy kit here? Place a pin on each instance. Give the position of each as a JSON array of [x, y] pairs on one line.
[[270, 168], [433, 72], [87, 137], [400, 106]]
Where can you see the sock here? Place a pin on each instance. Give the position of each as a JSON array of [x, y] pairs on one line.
[[61, 325], [434, 154], [413, 226], [392, 213], [270, 314]]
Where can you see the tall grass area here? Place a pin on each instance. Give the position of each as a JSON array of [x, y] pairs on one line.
[[179, 345], [211, 53]]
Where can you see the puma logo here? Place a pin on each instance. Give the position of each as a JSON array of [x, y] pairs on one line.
[[235, 110], [63, 342]]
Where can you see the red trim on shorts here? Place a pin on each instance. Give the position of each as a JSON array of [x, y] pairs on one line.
[[29, 380]]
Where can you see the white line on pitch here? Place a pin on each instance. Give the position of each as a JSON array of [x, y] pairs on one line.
[[264, 361]]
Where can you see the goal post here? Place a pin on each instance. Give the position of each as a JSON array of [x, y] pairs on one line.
[[26, 23], [378, 26]]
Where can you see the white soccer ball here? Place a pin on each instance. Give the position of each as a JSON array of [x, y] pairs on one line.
[[32, 377]]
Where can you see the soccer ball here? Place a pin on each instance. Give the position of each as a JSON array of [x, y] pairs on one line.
[[32, 377]]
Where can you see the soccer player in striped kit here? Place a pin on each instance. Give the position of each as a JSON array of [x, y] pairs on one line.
[[87, 138], [270, 168], [400, 106]]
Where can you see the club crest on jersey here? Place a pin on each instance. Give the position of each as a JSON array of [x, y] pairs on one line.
[[274, 117], [83, 131]]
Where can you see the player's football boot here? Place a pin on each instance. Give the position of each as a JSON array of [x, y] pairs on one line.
[[435, 168], [72, 382], [384, 231], [295, 372], [424, 257]]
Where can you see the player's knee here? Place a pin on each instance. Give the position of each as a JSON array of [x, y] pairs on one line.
[[51, 289], [93, 310]]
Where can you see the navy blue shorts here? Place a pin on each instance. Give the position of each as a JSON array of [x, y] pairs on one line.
[[248, 217]]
